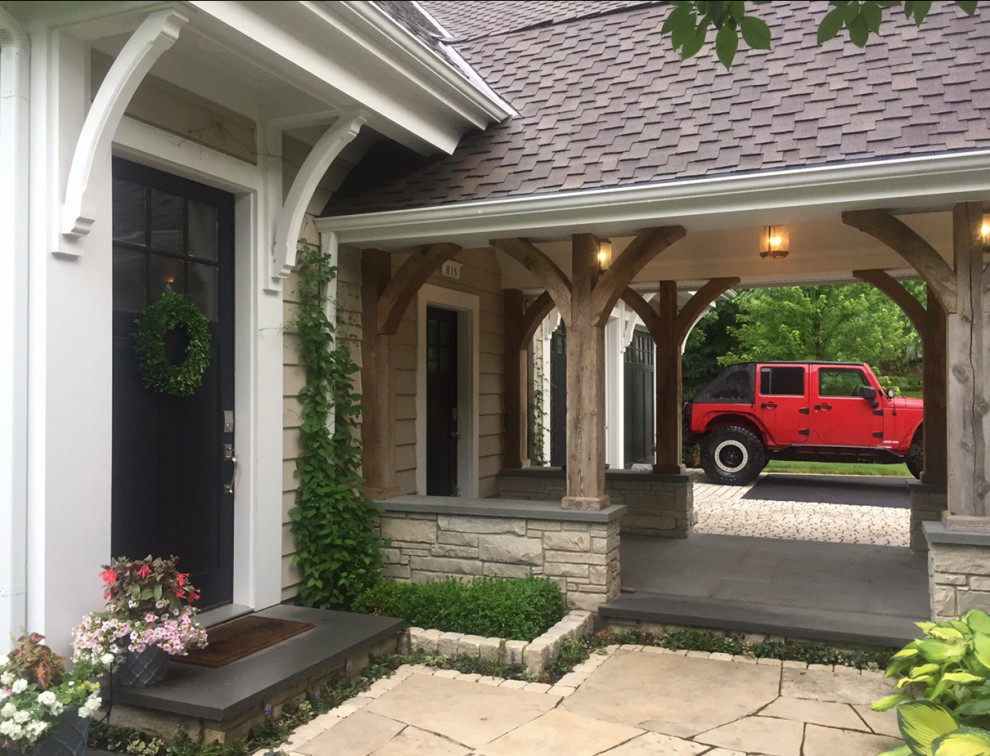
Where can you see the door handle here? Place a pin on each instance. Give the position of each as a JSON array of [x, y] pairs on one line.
[[823, 406], [229, 456], [769, 405]]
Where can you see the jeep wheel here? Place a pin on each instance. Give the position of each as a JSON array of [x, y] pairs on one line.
[[915, 460], [732, 455]]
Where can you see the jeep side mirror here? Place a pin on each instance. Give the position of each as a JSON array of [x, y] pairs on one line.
[[868, 392]]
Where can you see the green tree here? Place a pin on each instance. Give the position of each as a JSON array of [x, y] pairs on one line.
[[712, 338], [689, 22], [853, 322]]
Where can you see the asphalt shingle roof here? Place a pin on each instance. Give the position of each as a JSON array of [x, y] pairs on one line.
[[604, 102]]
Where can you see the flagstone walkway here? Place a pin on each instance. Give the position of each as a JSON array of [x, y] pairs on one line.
[[627, 701]]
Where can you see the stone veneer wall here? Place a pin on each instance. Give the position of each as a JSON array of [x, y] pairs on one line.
[[656, 504], [958, 571], [431, 540], [928, 502]]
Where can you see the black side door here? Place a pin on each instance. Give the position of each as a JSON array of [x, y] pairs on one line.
[[173, 455], [441, 402]]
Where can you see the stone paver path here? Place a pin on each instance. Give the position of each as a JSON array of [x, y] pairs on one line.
[[628, 701], [722, 510]]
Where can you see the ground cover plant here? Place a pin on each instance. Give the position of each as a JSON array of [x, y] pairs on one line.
[[509, 608]]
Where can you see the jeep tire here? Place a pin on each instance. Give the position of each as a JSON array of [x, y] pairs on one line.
[[732, 455], [915, 458]]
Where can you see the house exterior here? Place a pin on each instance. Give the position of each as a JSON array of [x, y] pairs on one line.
[[467, 162]]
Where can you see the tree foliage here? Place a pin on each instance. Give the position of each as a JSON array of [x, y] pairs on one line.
[[853, 322], [713, 337], [690, 21]]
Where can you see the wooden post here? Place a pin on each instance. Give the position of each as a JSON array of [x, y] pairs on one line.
[[968, 419], [934, 358], [669, 396], [585, 385], [514, 386], [378, 419]]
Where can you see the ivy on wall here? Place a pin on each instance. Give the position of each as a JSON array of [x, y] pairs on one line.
[[337, 549]]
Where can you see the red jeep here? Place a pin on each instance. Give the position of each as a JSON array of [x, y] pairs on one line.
[[823, 411]]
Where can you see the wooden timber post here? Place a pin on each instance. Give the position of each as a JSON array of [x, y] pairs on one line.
[[515, 385], [585, 384], [378, 419], [668, 385], [669, 329], [966, 379]]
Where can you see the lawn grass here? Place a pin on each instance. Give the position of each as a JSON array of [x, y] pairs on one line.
[[837, 468]]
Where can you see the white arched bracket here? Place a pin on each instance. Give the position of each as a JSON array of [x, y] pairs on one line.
[[156, 34], [290, 219]]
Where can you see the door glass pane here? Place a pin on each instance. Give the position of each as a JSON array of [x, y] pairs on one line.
[[202, 230], [166, 222], [165, 275], [128, 212], [203, 289], [128, 280]]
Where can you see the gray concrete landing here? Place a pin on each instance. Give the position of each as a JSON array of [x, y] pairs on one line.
[[852, 593], [627, 701]]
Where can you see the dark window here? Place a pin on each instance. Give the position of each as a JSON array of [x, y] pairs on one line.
[[839, 382], [782, 381], [734, 386]]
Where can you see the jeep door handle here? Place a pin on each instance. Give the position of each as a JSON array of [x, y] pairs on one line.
[[769, 405], [823, 406]]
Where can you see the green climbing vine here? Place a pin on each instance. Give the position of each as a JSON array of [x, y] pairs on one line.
[[333, 521], [536, 409]]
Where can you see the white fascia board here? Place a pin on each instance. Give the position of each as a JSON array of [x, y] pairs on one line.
[[916, 183], [349, 54]]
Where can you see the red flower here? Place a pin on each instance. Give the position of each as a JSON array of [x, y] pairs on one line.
[[193, 595], [182, 577], [144, 571], [179, 593], [109, 577]]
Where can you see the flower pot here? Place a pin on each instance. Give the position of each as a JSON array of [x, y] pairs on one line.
[[66, 738], [141, 668]]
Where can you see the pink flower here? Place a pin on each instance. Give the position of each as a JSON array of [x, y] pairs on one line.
[[109, 577]]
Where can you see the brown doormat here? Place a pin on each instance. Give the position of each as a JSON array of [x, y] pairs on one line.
[[235, 640]]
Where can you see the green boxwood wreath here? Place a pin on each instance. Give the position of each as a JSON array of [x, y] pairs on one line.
[[172, 310]]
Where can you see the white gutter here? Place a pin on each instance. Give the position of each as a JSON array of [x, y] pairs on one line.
[[927, 182], [15, 51], [470, 89]]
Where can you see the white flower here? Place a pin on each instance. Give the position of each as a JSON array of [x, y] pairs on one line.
[[7, 679], [8, 710], [46, 698], [19, 686], [107, 659], [21, 716], [91, 706]]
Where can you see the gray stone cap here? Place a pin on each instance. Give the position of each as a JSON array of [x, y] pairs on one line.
[[512, 508], [559, 472], [936, 532]]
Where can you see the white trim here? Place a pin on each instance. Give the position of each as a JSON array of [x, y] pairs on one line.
[[257, 354], [156, 34], [468, 383], [288, 224], [922, 182]]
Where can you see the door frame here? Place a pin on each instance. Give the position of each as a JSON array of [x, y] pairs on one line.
[[468, 309], [258, 352]]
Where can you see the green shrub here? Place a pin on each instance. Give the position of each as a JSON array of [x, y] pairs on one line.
[[511, 608]]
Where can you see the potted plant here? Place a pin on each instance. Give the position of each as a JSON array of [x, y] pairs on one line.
[[44, 709], [148, 618]]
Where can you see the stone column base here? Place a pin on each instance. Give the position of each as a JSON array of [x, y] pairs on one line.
[[958, 571]]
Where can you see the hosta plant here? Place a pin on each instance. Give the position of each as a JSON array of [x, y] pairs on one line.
[[943, 707]]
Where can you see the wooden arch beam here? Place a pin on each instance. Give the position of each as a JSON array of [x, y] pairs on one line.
[[534, 315], [886, 283], [904, 241], [646, 313], [614, 280], [402, 287], [698, 305], [553, 279]]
